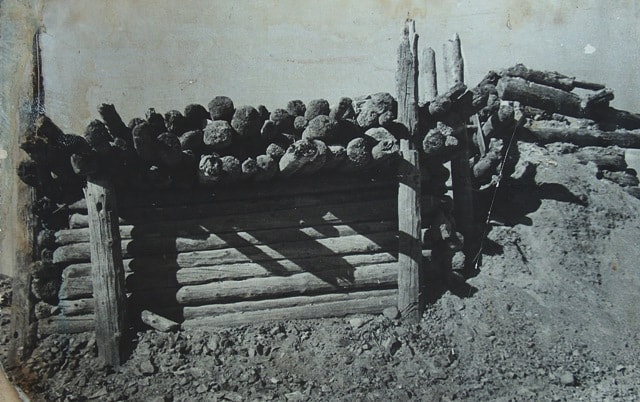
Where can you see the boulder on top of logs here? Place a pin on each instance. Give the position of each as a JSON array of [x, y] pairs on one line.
[[176, 123], [440, 142], [218, 135], [316, 108], [343, 110], [247, 122], [196, 116], [221, 108], [321, 127]]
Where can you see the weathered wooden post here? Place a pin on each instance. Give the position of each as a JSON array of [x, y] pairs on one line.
[[428, 76], [23, 329], [107, 270], [410, 272], [460, 169]]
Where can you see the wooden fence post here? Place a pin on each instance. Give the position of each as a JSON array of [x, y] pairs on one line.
[[428, 76], [460, 169], [107, 271], [23, 327], [410, 272]]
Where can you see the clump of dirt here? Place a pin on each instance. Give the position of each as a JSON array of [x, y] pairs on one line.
[[552, 314]]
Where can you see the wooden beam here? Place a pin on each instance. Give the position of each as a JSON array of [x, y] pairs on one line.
[[460, 169], [428, 75], [107, 272], [355, 303], [410, 272], [343, 278], [23, 328]]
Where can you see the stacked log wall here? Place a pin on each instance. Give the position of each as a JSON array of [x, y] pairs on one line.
[[297, 248]]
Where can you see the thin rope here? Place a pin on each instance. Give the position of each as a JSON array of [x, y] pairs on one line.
[[476, 259]]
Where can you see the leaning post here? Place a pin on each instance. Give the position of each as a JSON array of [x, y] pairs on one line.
[[410, 272]]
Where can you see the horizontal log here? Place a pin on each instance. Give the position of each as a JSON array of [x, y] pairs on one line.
[[223, 208], [540, 96], [201, 275], [346, 278], [550, 78], [131, 248], [59, 324], [77, 284], [318, 214], [612, 158], [321, 184], [70, 308], [361, 305], [582, 136], [212, 310], [158, 322]]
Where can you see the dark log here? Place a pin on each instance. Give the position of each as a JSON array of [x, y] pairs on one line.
[[545, 134], [540, 96], [386, 145], [107, 272], [443, 103], [624, 179], [460, 169], [594, 102], [440, 142], [247, 122], [358, 154], [66, 325], [197, 116], [410, 276], [218, 135], [614, 118], [336, 157], [365, 277], [486, 166], [320, 128], [549, 78], [221, 108], [144, 142], [169, 150], [317, 107], [633, 191], [114, 123], [304, 302], [267, 168], [296, 108], [158, 322], [156, 121], [249, 168], [98, 137], [363, 190], [300, 154], [611, 158], [343, 110], [176, 123], [210, 169], [428, 75]]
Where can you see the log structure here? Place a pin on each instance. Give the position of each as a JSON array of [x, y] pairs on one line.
[[230, 214]]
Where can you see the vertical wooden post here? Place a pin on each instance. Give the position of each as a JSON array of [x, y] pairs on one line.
[[23, 327], [410, 272], [428, 76], [460, 169], [107, 270]]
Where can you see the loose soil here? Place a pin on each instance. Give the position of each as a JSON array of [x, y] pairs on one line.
[[552, 315]]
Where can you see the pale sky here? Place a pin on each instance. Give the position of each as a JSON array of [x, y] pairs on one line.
[[140, 54]]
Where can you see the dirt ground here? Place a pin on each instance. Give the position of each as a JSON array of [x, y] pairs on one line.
[[552, 315]]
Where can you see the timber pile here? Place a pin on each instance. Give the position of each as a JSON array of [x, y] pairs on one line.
[[272, 238], [265, 251]]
